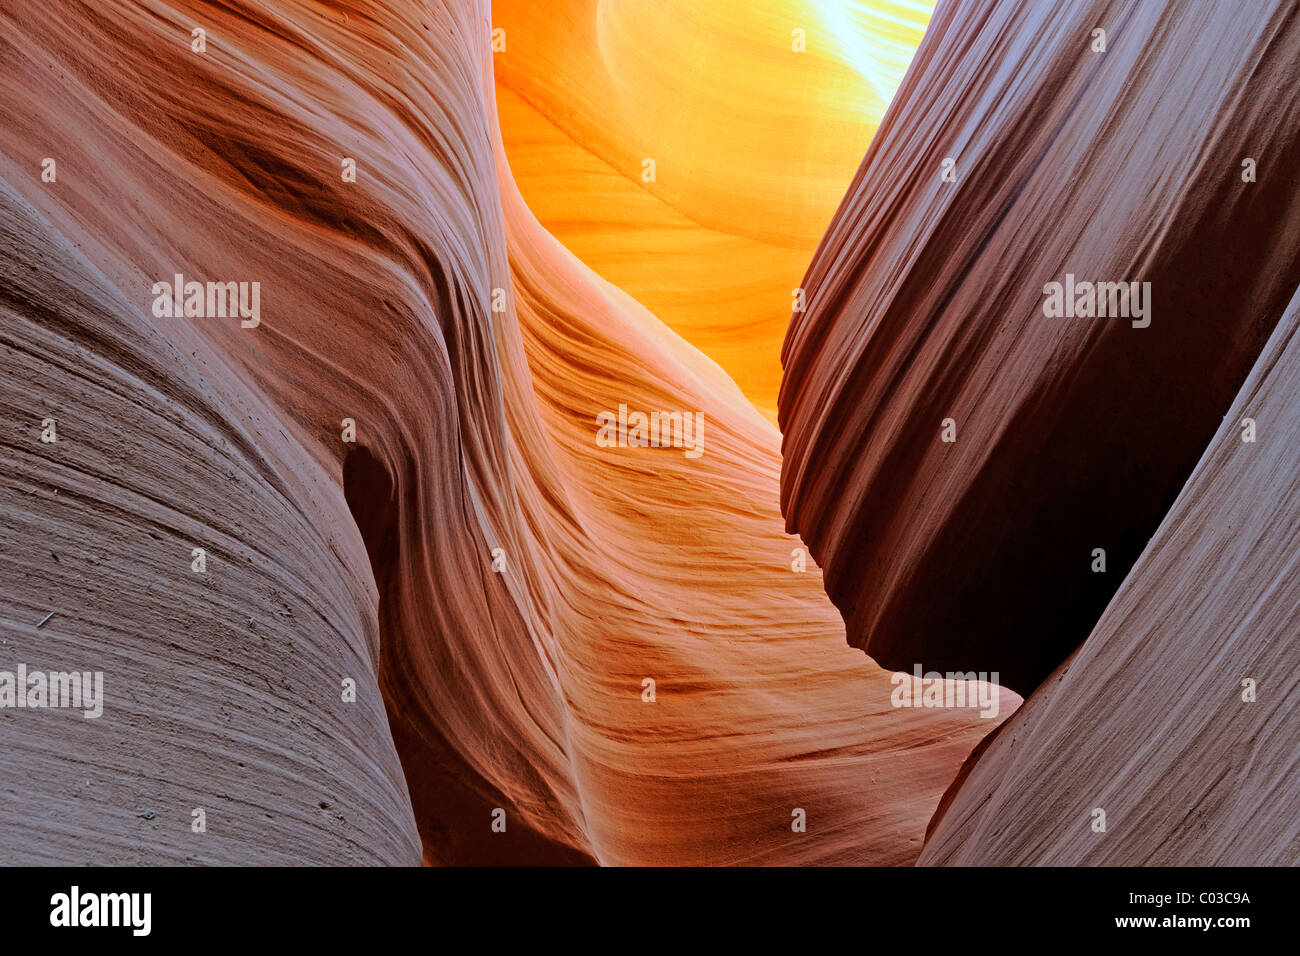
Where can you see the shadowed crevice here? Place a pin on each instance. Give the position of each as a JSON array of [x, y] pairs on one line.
[[452, 811]]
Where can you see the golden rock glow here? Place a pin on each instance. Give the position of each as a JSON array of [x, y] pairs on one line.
[[755, 117]]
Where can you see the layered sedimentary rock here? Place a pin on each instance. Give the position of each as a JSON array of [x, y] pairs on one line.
[[394, 476], [962, 463], [1174, 725], [220, 691], [1165, 732], [747, 647], [754, 117]]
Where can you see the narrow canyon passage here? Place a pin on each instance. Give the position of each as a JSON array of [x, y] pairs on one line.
[[367, 585]]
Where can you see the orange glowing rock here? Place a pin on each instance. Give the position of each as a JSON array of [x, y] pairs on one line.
[[692, 153]]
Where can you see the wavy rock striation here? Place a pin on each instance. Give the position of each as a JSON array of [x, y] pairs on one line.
[[1176, 717], [927, 310], [1166, 732], [496, 583], [754, 116]]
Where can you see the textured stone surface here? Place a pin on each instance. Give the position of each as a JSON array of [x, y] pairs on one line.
[[1147, 720], [1074, 434], [518, 688], [925, 304]]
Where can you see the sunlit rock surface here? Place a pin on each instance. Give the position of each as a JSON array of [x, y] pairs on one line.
[[755, 116]]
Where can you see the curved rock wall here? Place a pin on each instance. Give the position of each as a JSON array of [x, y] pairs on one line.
[[1101, 509], [396, 480], [926, 307]]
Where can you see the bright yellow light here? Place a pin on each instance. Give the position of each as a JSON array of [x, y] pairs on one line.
[[755, 116]]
